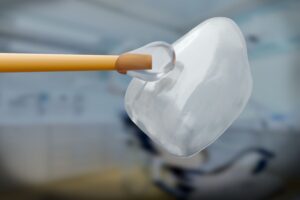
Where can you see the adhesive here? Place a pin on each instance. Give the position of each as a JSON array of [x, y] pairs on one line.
[[163, 61]]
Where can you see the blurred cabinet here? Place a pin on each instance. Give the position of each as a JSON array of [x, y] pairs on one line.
[[33, 153]]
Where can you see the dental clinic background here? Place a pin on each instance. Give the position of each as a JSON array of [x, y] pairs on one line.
[[66, 135]]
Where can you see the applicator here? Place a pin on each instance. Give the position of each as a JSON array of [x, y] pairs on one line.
[[59, 62]]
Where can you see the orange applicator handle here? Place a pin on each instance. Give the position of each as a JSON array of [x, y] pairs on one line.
[[11, 62]]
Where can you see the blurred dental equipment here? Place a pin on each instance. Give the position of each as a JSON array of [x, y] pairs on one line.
[[221, 170]]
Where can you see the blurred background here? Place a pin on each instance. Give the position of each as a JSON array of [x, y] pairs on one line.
[[67, 136]]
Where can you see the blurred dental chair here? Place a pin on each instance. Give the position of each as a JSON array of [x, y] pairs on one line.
[[227, 169], [244, 177]]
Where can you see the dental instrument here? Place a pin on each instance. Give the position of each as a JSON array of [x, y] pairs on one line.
[[183, 96], [11, 62]]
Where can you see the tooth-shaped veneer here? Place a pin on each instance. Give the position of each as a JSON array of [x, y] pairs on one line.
[[198, 100]]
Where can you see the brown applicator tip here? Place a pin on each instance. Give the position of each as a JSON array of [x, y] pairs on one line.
[[130, 61]]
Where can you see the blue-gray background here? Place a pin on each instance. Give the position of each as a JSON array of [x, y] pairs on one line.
[[60, 126]]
